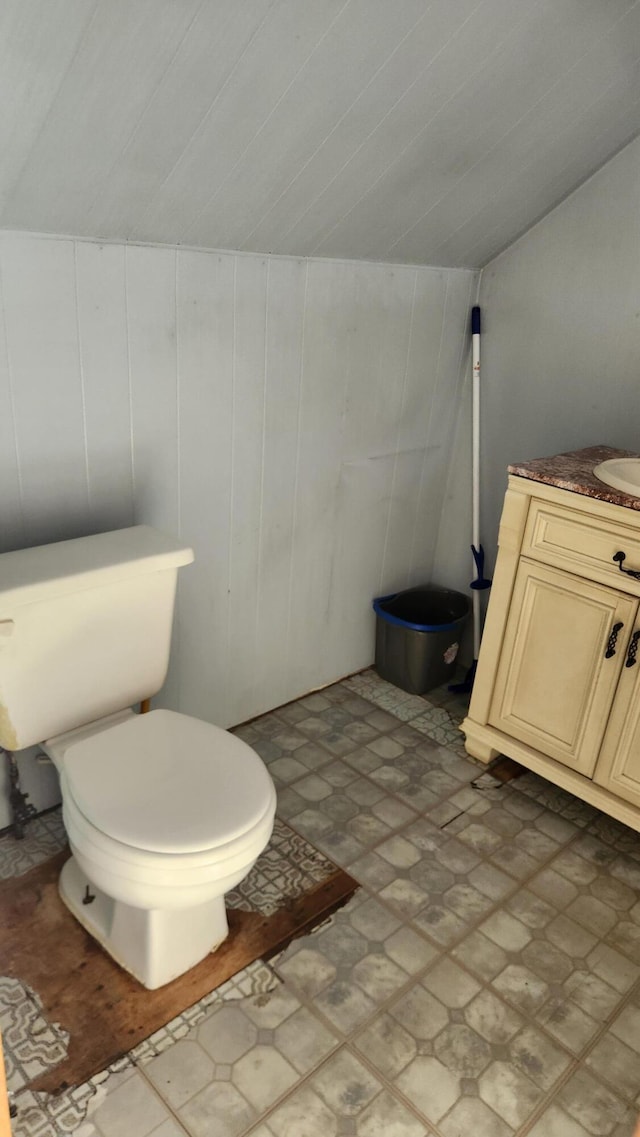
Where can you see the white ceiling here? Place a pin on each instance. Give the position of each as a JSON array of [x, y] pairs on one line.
[[425, 131]]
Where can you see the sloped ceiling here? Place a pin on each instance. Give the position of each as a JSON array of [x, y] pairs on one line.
[[424, 131]]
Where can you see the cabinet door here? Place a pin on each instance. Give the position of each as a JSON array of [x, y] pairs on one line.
[[560, 663], [618, 767]]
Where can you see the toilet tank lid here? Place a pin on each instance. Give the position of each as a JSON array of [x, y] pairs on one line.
[[35, 574]]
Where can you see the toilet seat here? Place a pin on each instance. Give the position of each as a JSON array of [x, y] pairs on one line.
[[184, 847], [162, 881], [143, 864], [164, 783]]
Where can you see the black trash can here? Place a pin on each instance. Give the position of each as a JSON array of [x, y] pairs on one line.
[[418, 635]]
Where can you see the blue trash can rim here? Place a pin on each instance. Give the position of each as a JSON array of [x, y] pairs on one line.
[[391, 619]]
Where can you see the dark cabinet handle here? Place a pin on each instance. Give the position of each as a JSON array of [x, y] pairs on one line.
[[631, 661], [611, 642], [621, 558]]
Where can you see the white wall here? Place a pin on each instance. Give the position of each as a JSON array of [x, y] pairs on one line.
[[560, 345], [290, 419]]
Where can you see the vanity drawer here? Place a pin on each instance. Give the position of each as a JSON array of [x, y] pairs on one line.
[[582, 543]]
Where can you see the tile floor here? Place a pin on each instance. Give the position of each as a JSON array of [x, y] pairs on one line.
[[483, 982]]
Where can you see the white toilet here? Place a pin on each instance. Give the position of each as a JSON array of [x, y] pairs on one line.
[[164, 813]]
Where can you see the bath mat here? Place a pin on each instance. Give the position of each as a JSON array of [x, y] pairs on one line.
[[103, 1011]]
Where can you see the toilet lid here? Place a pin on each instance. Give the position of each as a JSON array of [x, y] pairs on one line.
[[168, 783]]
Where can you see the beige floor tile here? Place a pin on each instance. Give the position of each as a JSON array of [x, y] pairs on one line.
[[510, 1093], [219, 1109], [378, 976], [522, 987], [388, 1117], [534, 1054], [409, 950], [268, 1011], [555, 1122], [169, 1128], [617, 1065], [345, 1005], [399, 852], [450, 984], [366, 828], [227, 1034], [429, 1086], [405, 896], [394, 813], [470, 1115], [591, 994], [263, 1075], [492, 1019], [613, 967], [462, 1050], [303, 1040], [568, 1024], [180, 1072], [304, 1111], [481, 955], [507, 932], [626, 1027], [374, 921], [591, 1104], [387, 1045], [420, 1013], [345, 1084], [132, 1108], [308, 971]]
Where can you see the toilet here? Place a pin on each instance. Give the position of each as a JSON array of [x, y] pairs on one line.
[[164, 813]]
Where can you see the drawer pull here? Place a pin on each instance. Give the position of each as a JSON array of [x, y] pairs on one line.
[[633, 650], [621, 558], [611, 642]]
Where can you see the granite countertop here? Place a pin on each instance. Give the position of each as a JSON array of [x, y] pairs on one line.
[[573, 471]]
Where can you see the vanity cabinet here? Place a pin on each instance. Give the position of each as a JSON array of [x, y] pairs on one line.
[[557, 685], [557, 674], [618, 767]]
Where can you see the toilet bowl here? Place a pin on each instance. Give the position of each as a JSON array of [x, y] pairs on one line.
[[164, 815]]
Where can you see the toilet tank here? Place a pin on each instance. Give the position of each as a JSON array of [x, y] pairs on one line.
[[85, 629]]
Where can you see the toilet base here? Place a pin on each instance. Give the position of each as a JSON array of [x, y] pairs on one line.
[[152, 945]]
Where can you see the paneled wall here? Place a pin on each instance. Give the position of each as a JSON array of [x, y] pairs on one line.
[[560, 344], [290, 419]]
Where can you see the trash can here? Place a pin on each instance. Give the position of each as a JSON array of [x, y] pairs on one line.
[[418, 635]]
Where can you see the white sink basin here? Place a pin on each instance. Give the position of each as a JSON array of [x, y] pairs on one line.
[[620, 473]]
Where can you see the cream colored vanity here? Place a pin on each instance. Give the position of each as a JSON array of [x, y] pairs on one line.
[[557, 686]]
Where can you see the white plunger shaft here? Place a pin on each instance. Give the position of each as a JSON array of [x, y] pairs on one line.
[[475, 449]]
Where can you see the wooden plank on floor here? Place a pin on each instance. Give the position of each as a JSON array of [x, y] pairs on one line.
[[107, 1012]]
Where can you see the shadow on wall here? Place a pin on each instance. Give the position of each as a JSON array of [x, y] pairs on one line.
[[27, 521]]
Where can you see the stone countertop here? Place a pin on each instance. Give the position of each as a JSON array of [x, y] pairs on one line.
[[573, 471]]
